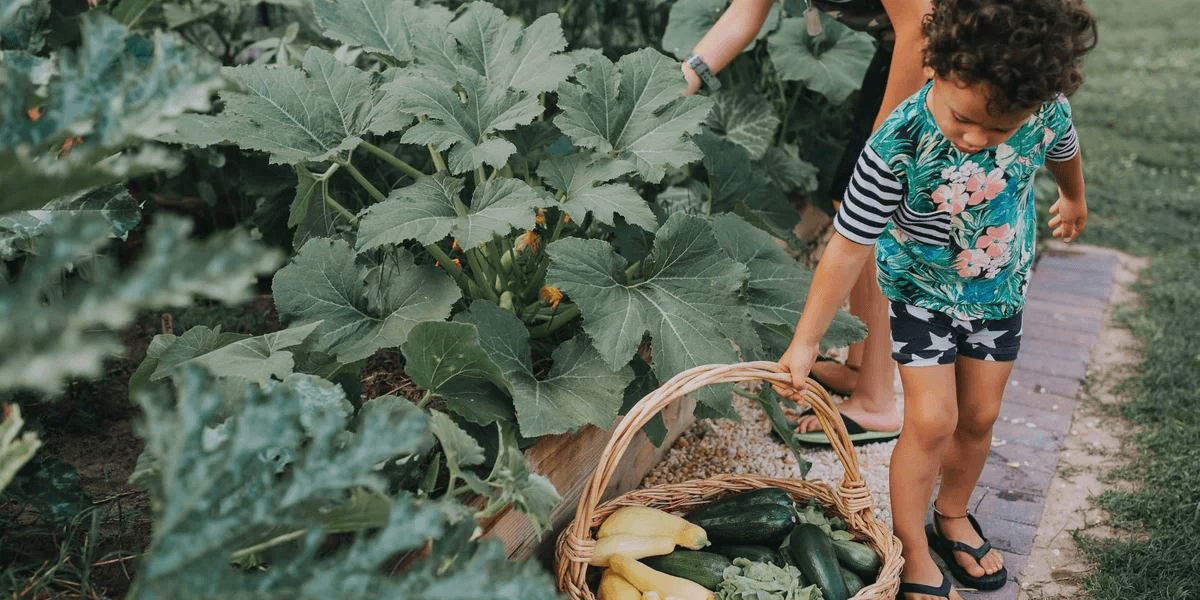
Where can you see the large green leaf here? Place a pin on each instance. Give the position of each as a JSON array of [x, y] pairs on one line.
[[778, 284], [115, 90], [688, 298], [582, 180], [380, 26], [465, 117], [113, 204], [633, 109], [525, 59], [735, 186], [14, 452], [255, 359], [746, 118], [431, 209], [691, 19], [785, 168], [218, 494], [361, 313], [20, 24], [298, 115], [832, 63], [579, 389], [439, 351], [47, 342]]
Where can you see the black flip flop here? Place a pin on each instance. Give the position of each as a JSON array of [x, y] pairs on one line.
[[941, 591], [858, 434], [945, 549]]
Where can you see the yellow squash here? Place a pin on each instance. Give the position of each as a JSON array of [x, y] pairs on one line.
[[633, 546], [614, 587], [643, 520], [648, 580]]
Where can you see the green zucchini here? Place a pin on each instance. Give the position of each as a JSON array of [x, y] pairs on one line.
[[741, 501], [812, 551], [852, 580], [704, 568], [755, 525], [760, 554], [857, 557]]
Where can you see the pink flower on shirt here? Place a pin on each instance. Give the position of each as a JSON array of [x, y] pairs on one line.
[[985, 187], [951, 198], [970, 263]]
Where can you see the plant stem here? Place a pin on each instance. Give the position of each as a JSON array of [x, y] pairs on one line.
[[425, 399], [391, 159], [555, 323], [632, 270], [275, 541], [361, 179], [438, 162], [339, 209], [450, 268], [482, 276]]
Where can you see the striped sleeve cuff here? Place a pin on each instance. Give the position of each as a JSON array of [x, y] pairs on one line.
[[1066, 148], [871, 198]]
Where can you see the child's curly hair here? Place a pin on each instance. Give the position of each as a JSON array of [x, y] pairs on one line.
[[1026, 51]]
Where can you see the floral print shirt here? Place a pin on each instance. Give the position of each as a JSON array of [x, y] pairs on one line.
[[954, 232]]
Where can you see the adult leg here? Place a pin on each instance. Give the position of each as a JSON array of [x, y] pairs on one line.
[[873, 401], [930, 413], [980, 387]]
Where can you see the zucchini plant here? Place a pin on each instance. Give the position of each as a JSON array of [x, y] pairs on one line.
[[500, 210]]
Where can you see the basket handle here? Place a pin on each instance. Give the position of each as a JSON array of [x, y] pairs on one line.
[[852, 489]]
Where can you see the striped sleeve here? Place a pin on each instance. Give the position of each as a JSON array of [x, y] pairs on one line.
[[1066, 148], [872, 197]]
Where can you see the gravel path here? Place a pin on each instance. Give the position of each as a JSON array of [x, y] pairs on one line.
[[714, 446]]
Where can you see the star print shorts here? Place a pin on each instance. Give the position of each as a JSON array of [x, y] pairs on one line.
[[923, 337]]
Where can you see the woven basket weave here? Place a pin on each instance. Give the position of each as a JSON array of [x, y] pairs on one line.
[[850, 500]]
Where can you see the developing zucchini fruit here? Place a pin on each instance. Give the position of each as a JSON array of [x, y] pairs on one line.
[[704, 568], [812, 552]]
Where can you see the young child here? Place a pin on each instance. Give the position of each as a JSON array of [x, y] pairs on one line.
[[944, 193]]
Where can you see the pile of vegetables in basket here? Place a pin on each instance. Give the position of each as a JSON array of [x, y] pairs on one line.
[[754, 545]]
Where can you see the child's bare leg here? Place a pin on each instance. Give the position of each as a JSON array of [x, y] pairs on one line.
[[873, 400], [930, 412], [980, 391]]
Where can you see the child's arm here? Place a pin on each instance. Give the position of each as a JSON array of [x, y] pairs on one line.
[[830, 286], [1069, 213], [728, 36]]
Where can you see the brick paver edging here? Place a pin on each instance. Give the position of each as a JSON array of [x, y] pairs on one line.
[[1068, 294]]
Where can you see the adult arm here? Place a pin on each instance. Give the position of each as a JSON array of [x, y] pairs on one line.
[[728, 37], [829, 289], [906, 74]]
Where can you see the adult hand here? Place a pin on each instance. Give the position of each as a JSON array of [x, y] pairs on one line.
[[797, 361], [1068, 217]]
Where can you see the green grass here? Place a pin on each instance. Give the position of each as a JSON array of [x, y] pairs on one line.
[[1138, 123]]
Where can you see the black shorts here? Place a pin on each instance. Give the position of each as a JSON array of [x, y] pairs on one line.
[[923, 337], [869, 100]]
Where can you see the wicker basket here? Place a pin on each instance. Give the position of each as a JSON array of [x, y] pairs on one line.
[[851, 500]]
